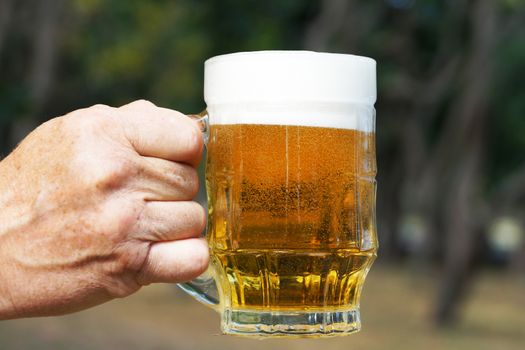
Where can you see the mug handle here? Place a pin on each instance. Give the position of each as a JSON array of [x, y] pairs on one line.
[[203, 288]]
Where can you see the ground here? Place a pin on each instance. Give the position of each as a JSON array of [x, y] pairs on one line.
[[396, 310]]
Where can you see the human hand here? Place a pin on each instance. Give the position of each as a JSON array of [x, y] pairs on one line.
[[96, 204]]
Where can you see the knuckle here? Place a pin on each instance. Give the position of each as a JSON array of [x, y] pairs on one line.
[[185, 180], [142, 103], [102, 108], [128, 217], [192, 182], [93, 119], [97, 112], [115, 174], [119, 171], [53, 124]]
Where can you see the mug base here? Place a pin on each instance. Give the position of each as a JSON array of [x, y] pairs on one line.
[[314, 324]]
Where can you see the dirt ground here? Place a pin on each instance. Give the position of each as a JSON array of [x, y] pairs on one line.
[[396, 309]]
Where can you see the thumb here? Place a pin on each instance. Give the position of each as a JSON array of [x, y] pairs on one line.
[[175, 261]]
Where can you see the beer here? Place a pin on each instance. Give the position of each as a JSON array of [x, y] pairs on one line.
[[290, 179], [291, 215]]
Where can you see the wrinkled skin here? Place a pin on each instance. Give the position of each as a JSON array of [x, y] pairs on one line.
[[96, 204]]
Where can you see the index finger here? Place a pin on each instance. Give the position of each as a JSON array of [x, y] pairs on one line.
[[162, 133]]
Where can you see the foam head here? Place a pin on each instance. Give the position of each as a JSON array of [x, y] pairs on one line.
[[279, 87]]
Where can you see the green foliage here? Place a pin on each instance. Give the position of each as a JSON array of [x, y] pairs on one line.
[[507, 129], [156, 49], [139, 49], [116, 51]]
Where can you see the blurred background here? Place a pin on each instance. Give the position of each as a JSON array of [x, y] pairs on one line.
[[450, 147]]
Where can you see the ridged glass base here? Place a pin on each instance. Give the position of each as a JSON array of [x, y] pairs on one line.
[[293, 323]]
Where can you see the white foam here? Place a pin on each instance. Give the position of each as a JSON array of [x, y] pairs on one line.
[[289, 76], [355, 117]]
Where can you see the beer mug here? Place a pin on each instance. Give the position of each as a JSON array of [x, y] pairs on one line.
[[290, 178]]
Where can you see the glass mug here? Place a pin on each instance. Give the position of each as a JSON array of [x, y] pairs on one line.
[[290, 179]]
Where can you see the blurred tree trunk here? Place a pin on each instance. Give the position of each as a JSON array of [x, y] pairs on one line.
[[421, 189], [458, 158], [6, 7], [332, 15], [45, 42], [40, 22]]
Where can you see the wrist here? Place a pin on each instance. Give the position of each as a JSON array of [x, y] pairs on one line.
[[7, 309]]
